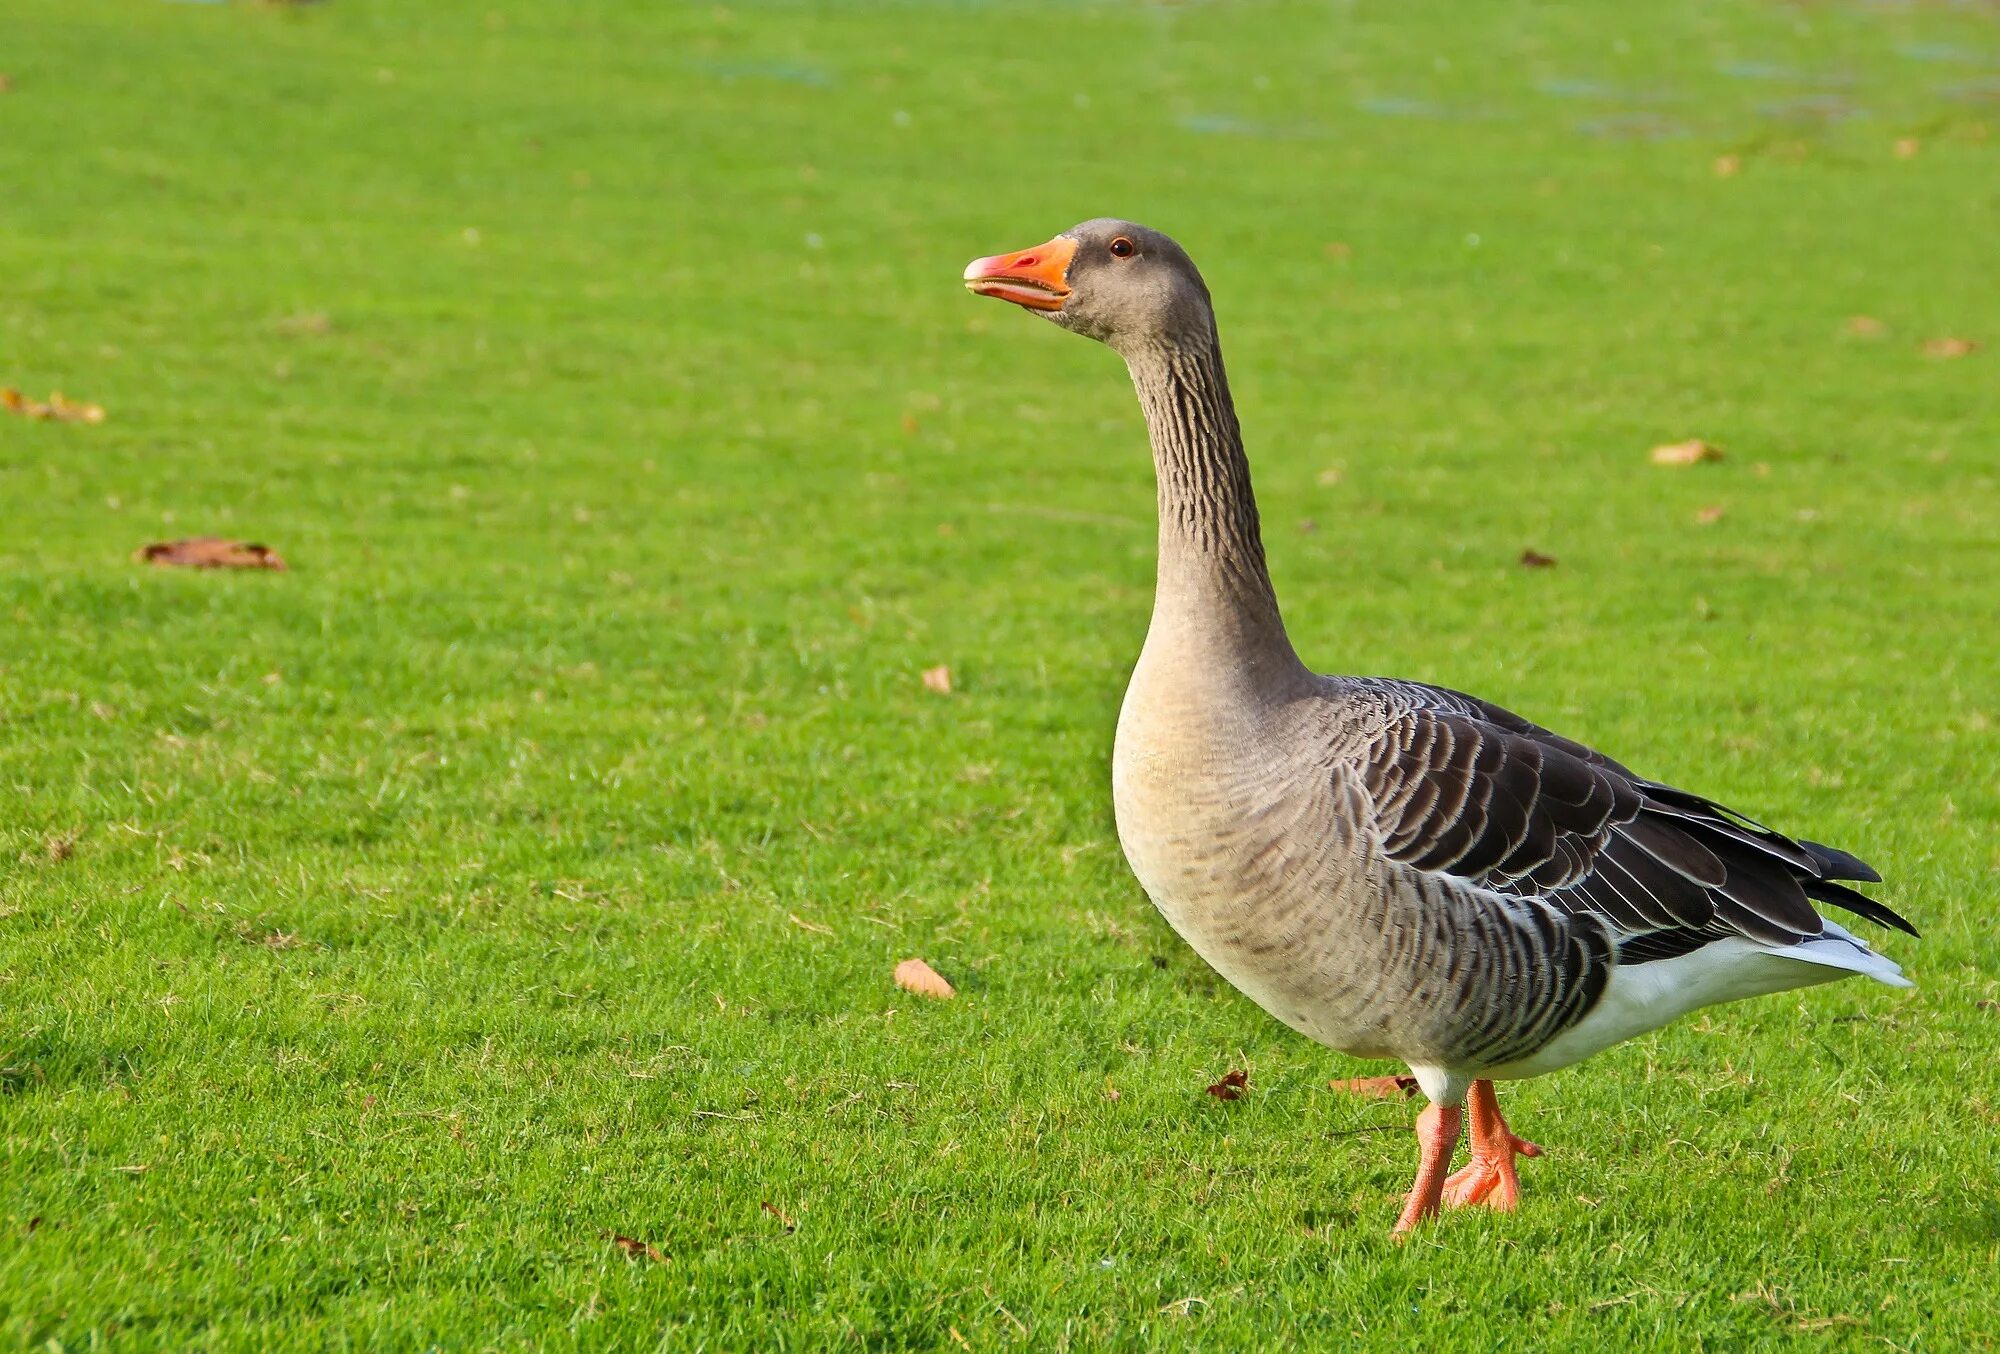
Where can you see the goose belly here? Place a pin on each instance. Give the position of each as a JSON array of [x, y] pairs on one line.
[[1262, 883]]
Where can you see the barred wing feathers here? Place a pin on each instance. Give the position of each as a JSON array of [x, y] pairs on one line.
[[1465, 789]]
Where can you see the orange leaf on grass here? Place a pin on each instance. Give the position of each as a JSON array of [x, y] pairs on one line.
[[914, 975], [1950, 347], [57, 409], [1231, 1087], [210, 552], [1377, 1086], [636, 1249], [1691, 452], [938, 679]]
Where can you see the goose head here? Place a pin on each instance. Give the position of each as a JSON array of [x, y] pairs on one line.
[[1115, 281]]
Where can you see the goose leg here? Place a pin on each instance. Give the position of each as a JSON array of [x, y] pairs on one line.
[[1489, 1178], [1437, 1136]]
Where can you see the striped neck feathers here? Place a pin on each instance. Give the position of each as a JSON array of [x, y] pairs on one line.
[[1211, 558]]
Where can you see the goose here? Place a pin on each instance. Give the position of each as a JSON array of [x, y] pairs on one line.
[[1398, 870]]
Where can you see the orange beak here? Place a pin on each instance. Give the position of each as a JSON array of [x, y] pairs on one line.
[[1033, 277]]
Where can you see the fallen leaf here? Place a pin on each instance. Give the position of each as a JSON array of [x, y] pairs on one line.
[[60, 846], [1986, 1005], [1950, 347], [938, 679], [1231, 1087], [635, 1249], [270, 940], [1110, 1091], [210, 552], [1691, 452], [1907, 147], [914, 975], [1381, 1087], [778, 1213], [1532, 558], [1709, 515], [1865, 326], [57, 409], [1728, 166]]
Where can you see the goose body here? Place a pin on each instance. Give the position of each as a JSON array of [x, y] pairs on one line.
[[1392, 869]]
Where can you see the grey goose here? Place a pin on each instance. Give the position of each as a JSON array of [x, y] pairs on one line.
[[1393, 869]]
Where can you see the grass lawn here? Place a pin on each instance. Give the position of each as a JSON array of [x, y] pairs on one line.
[[527, 864]]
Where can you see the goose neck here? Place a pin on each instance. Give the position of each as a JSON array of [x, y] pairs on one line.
[[1213, 578]]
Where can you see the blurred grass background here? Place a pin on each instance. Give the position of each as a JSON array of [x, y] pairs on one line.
[[527, 863]]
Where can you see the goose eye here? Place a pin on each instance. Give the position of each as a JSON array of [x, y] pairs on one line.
[[1122, 247]]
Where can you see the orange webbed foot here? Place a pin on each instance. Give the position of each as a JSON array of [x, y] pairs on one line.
[[1490, 1177]]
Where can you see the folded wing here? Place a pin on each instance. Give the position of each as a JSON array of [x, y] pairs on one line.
[[1468, 790]]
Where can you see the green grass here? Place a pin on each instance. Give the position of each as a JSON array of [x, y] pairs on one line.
[[528, 863]]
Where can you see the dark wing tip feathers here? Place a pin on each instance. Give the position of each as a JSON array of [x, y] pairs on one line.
[[1835, 863], [1860, 904]]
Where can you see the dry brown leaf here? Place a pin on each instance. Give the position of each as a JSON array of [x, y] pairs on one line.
[[635, 1249], [914, 975], [1728, 166], [1986, 1005], [1907, 147], [1709, 515], [270, 940], [58, 409], [778, 1213], [1865, 326], [1231, 1087], [1532, 558], [1950, 347], [210, 552], [1691, 452], [938, 679], [1381, 1087]]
